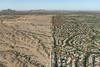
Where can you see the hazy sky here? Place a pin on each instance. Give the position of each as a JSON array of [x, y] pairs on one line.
[[50, 4]]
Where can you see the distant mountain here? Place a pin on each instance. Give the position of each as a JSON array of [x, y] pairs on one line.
[[42, 12], [31, 12], [8, 12]]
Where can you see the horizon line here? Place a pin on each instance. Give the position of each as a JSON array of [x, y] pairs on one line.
[[46, 9]]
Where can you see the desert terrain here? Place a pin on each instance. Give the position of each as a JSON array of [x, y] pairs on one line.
[[53, 40], [25, 40]]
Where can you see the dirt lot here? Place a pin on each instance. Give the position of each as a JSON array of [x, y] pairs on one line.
[[25, 41]]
